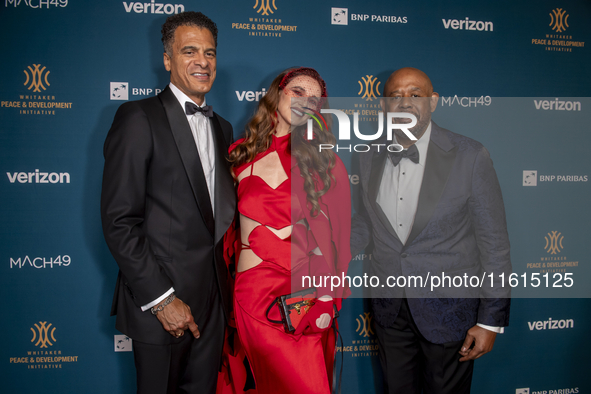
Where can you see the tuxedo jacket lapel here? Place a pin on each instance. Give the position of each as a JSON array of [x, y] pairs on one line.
[[190, 156], [378, 162], [225, 196], [441, 155]]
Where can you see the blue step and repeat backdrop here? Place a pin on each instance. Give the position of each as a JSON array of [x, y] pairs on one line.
[[514, 75]]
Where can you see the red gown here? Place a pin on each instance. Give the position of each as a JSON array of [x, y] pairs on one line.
[[281, 362]]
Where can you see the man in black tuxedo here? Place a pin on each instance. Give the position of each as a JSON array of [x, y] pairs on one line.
[[167, 200], [435, 208]]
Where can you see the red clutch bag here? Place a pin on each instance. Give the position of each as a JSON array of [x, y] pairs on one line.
[[293, 307]]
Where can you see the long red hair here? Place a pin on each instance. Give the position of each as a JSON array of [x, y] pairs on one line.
[[315, 165]]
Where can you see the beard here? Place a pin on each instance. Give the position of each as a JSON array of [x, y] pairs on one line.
[[418, 130]]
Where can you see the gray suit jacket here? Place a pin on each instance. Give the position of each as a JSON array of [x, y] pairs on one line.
[[459, 229]]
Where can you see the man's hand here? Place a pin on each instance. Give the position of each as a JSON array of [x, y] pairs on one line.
[[483, 341], [176, 317]]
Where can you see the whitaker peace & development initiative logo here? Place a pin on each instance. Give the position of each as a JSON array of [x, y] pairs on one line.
[[553, 260], [36, 100], [265, 7], [554, 242], [44, 354], [361, 347], [364, 325], [369, 88], [265, 21], [556, 39], [559, 20], [42, 334], [37, 76]]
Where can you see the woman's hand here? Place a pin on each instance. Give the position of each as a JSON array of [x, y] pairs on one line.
[[318, 318]]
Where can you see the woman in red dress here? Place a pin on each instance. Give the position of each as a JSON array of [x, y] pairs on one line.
[[295, 209]]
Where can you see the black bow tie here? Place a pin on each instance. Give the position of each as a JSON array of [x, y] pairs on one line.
[[411, 153], [191, 108]]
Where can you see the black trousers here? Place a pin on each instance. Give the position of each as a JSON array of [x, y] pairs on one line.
[[188, 367], [412, 365]]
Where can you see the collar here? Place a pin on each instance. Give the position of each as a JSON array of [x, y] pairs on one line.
[[183, 98], [422, 145]]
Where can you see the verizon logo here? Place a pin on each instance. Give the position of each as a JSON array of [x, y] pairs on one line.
[[38, 177], [467, 24], [551, 324]]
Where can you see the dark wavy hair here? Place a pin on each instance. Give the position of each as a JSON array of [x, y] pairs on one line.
[[315, 165], [188, 18]]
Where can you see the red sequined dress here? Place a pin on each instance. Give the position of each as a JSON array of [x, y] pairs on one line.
[[280, 362]]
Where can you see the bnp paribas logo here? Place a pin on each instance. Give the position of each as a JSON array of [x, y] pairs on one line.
[[364, 325], [554, 242], [43, 334], [123, 343], [558, 20], [264, 6], [339, 16], [530, 178], [369, 87], [119, 91], [36, 77]]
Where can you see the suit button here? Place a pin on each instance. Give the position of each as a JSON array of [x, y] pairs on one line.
[[404, 255]]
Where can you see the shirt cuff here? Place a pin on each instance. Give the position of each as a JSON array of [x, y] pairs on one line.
[[158, 300], [498, 330]]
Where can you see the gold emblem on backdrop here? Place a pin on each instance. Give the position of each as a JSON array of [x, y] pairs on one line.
[[554, 242], [364, 325], [37, 77], [43, 335], [364, 345], [265, 6], [554, 261], [44, 355], [558, 19], [37, 101], [266, 23], [557, 40], [371, 91]]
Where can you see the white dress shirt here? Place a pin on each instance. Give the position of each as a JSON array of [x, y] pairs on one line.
[[403, 182], [203, 136]]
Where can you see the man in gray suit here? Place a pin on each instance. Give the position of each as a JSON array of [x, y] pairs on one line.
[[436, 207]]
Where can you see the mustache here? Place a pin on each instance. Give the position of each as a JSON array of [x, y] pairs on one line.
[[416, 114]]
